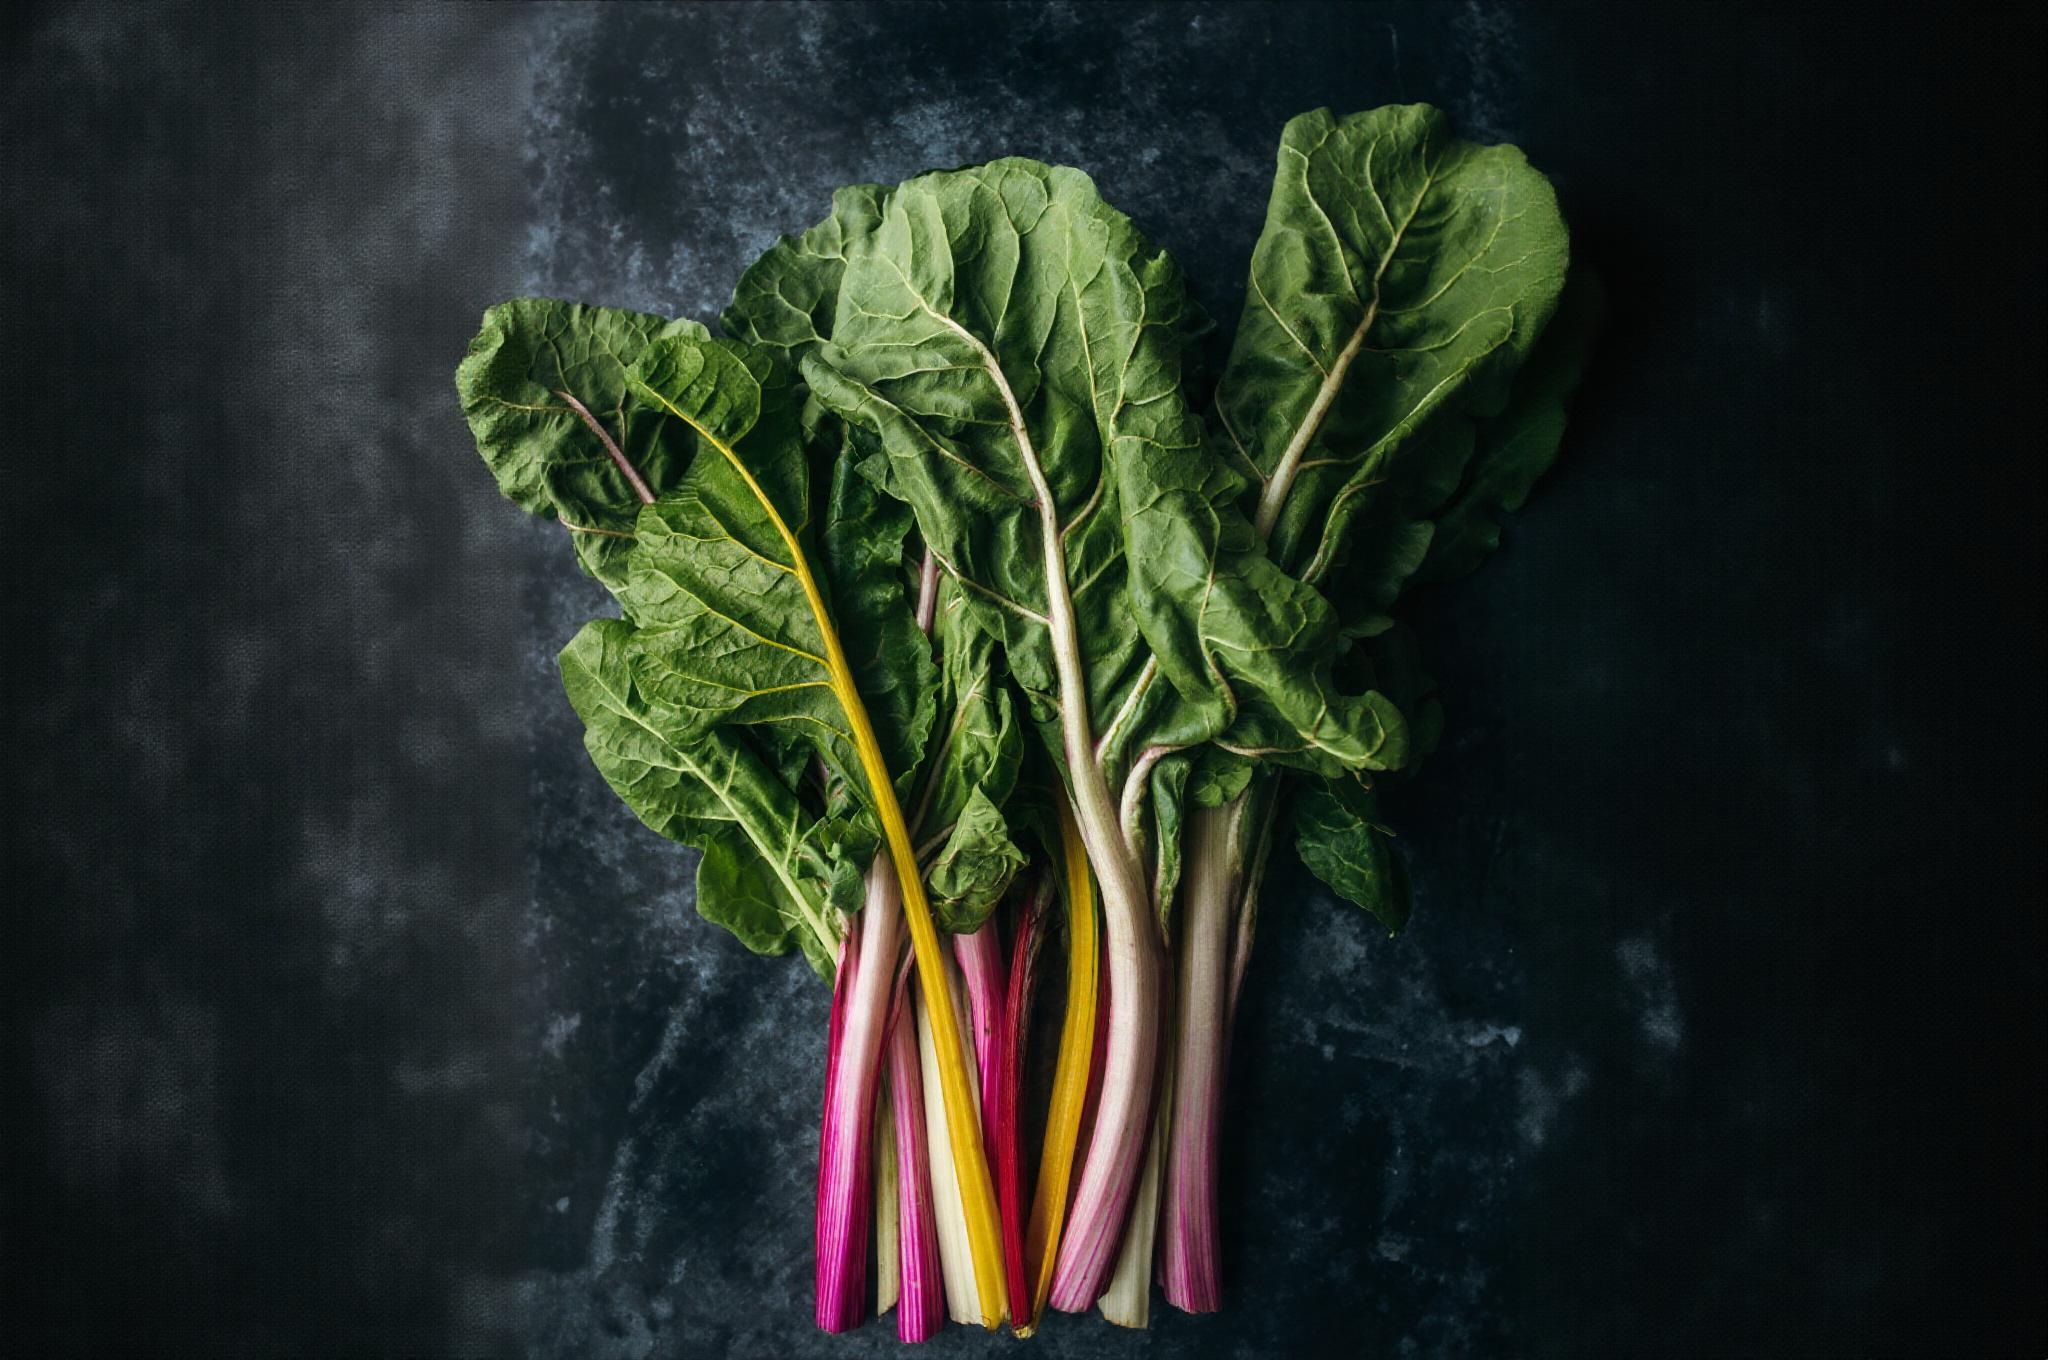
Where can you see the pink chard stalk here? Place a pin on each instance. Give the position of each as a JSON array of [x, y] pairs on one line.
[[1004, 1136], [1188, 1266], [860, 1008], [921, 1299], [980, 955]]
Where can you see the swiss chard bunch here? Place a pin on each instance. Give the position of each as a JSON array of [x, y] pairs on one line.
[[950, 602]]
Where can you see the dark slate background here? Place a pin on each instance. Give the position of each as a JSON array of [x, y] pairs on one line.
[[347, 1013]]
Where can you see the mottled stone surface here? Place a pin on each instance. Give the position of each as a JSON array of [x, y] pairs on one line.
[[348, 1013]]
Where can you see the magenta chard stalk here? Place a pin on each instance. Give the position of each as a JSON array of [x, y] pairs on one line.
[[921, 1294], [980, 955], [845, 1160], [1188, 1265]]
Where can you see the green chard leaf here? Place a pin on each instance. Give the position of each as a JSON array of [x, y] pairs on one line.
[[1336, 823], [974, 866], [866, 539], [1518, 446], [694, 770], [1340, 839], [1394, 657], [786, 300], [1402, 279], [545, 390], [971, 772], [1375, 397], [771, 872], [728, 631], [1217, 777], [1169, 792], [728, 638], [787, 303]]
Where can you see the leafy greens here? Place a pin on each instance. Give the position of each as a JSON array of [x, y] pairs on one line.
[[950, 488]]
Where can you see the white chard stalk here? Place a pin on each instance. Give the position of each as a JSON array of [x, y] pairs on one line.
[[956, 1258]]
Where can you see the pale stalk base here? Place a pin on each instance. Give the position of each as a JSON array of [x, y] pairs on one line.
[[1128, 1300], [956, 1260]]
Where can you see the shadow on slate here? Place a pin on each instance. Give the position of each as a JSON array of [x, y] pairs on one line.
[[350, 1013]]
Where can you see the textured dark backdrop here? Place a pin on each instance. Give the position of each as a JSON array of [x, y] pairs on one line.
[[347, 1013]]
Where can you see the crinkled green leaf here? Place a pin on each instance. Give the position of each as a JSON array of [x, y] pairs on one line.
[[727, 630], [781, 302], [778, 872], [1397, 295], [1339, 838], [735, 891], [1384, 534], [1217, 776], [1518, 446], [1013, 286], [1402, 275], [1169, 802], [1393, 660], [1435, 512], [786, 300], [544, 454], [1033, 811], [865, 539], [977, 745], [975, 865]]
